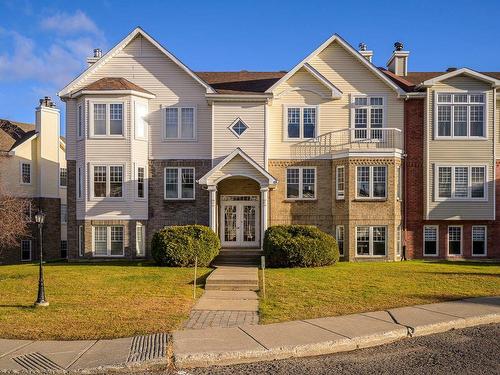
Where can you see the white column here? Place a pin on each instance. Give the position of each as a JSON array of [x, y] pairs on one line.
[[212, 208], [264, 194]]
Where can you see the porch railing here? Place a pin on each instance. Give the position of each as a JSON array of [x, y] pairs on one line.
[[360, 139]]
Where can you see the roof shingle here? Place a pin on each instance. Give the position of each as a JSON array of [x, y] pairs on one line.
[[112, 84]]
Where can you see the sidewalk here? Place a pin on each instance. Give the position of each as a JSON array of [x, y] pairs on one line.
[[223, 346], [248, 343]]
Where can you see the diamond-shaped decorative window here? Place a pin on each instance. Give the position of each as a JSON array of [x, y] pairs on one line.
[[239, 127]]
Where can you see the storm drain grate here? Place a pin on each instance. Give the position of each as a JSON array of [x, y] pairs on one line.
[[146, 348], [36, 362]]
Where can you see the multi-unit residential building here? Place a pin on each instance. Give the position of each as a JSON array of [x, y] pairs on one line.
[[392, 163], [33, 167]]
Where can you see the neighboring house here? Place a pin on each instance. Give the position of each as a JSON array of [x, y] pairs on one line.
[[152, 143], [33, 167]]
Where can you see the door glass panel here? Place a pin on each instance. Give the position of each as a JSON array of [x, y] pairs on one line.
[[230, 223], [249, 223]]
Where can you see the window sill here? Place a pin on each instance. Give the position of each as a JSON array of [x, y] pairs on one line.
[[106, 199], [108, 256], [438, 138], [291, 200], [431, 255], [370, 256], [370, 200], [107, 137], [180, 140], [461, 200], [294, 140], [179, 199]]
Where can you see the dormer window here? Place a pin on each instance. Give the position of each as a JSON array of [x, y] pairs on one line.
[[107, 119], [238, 127], [460, 115]]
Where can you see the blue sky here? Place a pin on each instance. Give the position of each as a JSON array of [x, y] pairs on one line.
[[43, 45]]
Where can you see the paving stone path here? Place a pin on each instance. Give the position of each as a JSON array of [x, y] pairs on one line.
[[230, 299]]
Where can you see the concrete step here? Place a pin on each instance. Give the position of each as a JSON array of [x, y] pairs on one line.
[[232, 282], [233, 287]]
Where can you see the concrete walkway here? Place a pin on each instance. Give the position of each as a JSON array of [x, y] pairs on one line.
[[229, 300], [246, 343]]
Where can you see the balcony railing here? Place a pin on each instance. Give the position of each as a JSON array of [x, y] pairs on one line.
[[361, 139]]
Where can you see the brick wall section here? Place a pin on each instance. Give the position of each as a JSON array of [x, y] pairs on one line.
[[162, 212]]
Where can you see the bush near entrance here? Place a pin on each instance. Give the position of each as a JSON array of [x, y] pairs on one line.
[[299, 246], [178, 246]]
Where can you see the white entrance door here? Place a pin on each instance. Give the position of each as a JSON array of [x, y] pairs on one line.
[[240, 221]]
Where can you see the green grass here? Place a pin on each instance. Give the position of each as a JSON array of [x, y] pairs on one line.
[[95, 300], [346, 288]]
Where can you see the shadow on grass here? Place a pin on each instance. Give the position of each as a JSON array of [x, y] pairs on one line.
[[480, 263], [201, 280], [19, 307]]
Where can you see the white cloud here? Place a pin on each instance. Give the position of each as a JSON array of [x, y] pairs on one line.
[[55, 64], [65, 23]]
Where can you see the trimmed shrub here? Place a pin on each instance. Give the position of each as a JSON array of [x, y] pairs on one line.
[[299, 246], [177, 246]]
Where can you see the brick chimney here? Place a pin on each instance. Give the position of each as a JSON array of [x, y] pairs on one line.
[[398, 63], [364, 52], [97, 56]]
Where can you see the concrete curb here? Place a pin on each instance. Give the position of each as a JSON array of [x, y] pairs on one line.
[[229, 346]]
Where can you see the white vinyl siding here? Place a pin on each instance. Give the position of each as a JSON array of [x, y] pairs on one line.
[[179, 183], [300, 183], [371, 241], [431, 240], [479, 240]]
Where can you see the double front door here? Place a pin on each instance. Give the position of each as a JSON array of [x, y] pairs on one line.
[[239, 221]]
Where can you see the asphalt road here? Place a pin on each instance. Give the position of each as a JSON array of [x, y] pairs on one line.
[[466, 351]]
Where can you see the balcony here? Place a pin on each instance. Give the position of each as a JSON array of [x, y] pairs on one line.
[[352, 140]]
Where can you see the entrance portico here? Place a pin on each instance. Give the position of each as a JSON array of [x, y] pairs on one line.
[[238, 203]]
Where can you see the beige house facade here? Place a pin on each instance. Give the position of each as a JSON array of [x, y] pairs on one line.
[[151, 143], [33, 167]]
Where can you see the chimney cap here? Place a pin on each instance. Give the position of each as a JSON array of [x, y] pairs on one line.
[[398, 46], [451, 69], [47, 102], [362, 46], [97, 52]]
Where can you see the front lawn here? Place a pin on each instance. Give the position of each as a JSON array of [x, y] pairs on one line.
[[95, 300], [346, 288]]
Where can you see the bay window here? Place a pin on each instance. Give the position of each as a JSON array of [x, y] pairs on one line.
[[371, 241], [301, 183], [461, 182], [179, 183], [107, 119], [179, 123], [301, 122], [460, 115], [371, 182], [107, 181]]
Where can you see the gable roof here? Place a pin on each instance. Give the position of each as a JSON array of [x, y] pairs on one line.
[[137, 31], [114, 83], [238, 152], [349, 48], [242, 82], [466, 71], [13, 134]]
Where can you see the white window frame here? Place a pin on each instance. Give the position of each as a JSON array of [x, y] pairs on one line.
[[179, 117], [108, 181], [179, 184], [461, 240], [337, 235], [21, 172], [339, 193], [136, 179], [301, 185], [368, 107], [80, 120], [140, 249], [469, 197], [436, 227], [301, 107], [238, 119], [64, 214], [31, 251], [137, 113], [60, 171], [485, 241], [370, 241], [468, 104], [108, 241], [370, 182], [81, 244], [108, 104], [79, 182]]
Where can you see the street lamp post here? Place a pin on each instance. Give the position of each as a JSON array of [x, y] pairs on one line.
[[40, 301]]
